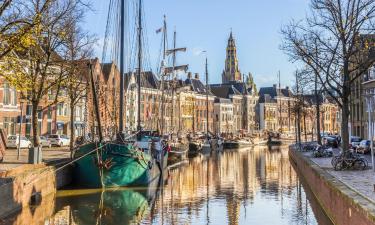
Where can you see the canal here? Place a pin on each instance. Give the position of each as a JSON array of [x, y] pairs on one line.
[[248, 186]]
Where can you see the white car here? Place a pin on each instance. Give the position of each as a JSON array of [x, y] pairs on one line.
[[13, 141], [59, 140]]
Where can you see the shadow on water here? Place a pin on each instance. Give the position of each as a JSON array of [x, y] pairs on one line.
[[247, 186]]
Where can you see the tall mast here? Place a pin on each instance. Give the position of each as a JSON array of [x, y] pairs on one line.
[[139, 65], [279, 93], [163, 73], [173, 70], [173, 78], [122, 46], [207, 96]]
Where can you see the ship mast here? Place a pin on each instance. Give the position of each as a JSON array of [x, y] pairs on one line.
[[163, 74], [139, 66], [206, 97], [174, 70], [122, 70]]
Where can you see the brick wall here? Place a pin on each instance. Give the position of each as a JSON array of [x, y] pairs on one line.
[[342, 205]]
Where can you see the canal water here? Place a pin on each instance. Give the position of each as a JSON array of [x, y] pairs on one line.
[[248, 186]]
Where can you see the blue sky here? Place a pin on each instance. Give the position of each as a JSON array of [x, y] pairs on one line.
[[206, 24]]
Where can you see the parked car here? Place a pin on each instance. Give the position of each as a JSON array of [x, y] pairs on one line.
[[354, 141], [338, 137], [364, 147], [330, 142], [43, 141], [14, 140], [59, 140]]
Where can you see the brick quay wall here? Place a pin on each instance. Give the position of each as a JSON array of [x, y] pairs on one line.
[[343, 205]]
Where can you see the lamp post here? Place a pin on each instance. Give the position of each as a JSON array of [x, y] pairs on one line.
[[20, 130], [370, 100]]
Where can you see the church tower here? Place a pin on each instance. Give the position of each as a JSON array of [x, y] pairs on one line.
[[231, 72]]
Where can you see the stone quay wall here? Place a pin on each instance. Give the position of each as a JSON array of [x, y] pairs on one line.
[[29, 185], [343, 205]]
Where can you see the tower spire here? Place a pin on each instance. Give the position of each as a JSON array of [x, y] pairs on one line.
[[231, 72]]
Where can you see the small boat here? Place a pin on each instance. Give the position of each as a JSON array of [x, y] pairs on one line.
[[179, 151], [195, 147], [274, 141], [234, 144]]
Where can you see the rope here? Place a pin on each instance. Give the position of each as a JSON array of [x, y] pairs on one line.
[[81, 157]]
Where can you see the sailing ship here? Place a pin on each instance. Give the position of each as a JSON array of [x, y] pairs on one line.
[[135, 160]]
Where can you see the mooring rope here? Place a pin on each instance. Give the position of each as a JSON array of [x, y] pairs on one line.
[[81, 157]]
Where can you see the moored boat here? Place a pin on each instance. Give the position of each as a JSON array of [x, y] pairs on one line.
[[179, 151], [114, 165], [234, 144], [137, 160], [195, 147]]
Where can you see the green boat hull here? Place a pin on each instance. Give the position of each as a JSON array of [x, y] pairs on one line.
[[121, 166]]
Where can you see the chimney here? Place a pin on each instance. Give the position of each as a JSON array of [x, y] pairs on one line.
[[197, 76], [287, 88], [190, 75], [275, 86]]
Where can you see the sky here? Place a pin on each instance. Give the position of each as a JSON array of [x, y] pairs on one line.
[[206, 24]]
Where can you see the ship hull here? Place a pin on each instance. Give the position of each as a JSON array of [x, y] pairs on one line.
[[121, 166]]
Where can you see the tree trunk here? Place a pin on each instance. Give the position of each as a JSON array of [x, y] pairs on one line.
[[72, 135], [299, 126], [317, 100], [304, 126], [345, 125], [34, 123]]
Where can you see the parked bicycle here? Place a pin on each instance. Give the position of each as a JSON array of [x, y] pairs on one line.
[[322, 151], [351, 161], [308, 147]]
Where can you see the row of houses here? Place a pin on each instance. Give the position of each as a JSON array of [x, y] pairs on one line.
[[235, 106]]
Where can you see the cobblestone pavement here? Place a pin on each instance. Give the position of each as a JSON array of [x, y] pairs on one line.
[[49, 154], [361, 181]]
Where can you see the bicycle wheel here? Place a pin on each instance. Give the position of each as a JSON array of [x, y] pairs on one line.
[[334, 160], [359, 164], [339, 165]]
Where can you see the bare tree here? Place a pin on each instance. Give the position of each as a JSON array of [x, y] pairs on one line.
[[78, 50], [330, 44]]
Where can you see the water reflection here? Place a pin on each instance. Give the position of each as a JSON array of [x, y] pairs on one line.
[[250, 186]]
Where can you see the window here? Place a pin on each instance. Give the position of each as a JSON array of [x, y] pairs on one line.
[[29, 110], [49, 113], [40, 113], [9, 95], [9, 125], [28, 129], [49, 127], [50, 95]]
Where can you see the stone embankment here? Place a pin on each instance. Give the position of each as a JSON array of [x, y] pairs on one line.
[[26, 185], [343, 204]]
